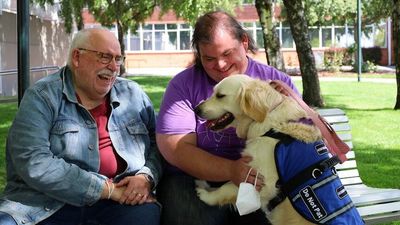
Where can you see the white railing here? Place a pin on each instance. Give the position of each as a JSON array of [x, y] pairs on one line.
[[9, 80]]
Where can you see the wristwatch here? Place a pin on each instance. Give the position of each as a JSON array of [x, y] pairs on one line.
[[148, 179]]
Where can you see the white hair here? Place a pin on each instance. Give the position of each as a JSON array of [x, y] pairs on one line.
[[81, 40]]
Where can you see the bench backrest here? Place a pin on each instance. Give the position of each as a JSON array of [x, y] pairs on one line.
[[347, 171]]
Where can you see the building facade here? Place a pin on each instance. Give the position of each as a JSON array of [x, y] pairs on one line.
[[48, 43], [164, 42], [162, 45]]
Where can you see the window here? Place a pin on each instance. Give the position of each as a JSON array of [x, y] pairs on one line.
[[260, 39], [147, 39], [184, 43], [374, 35], [314, 37], [165, 37], [287, 38], [380, 35], [327, 37], [340, 37], [367, 37], [159, 37], [177, 37], [134, 42], [350, 36]]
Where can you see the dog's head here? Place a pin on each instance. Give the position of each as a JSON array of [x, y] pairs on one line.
[[238, 100], [243, 102]]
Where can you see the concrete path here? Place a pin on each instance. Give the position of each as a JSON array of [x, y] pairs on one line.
[[362, 79], [174, 71]]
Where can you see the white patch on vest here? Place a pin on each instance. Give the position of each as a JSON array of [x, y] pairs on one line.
[[341, 192], [313, 204], [321, 149]]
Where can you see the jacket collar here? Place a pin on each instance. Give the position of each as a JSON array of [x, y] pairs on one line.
[[69, 89]]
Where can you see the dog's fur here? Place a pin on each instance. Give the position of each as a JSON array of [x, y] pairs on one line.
[[257, 107]]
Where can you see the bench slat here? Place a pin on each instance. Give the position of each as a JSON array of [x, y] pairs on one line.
[[374, 197], [359, 190], [349, 164], [379, 213], [348, 173], [337, 119], [330, 112], [351, 181], [344, 136], [350, 155], [341, 127]]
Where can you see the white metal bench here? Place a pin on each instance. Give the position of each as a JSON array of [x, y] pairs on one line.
[[376, 205]]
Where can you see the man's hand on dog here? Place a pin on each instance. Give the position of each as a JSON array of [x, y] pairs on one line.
[[240, 169]]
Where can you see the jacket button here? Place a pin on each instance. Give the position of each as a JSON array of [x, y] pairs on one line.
[[46, 209], [23, 221], [91, 147], [88, 122]]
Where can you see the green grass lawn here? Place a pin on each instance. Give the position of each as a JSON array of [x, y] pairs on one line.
[[375, 125]]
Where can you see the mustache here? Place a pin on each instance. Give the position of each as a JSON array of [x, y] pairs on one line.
[[107, 72]]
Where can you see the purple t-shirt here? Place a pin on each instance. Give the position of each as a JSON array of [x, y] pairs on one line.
[[186, 90]]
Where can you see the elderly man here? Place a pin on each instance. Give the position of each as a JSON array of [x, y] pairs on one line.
[[82, 146]]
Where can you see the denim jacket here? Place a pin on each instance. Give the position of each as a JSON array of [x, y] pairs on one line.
[[52, 147]]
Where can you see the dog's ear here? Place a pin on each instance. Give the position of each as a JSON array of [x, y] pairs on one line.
[[250, 101]]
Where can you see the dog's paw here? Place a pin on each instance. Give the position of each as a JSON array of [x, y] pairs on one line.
[[205, 196], [202, 184]]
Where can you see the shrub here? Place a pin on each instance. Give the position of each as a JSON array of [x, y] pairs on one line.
[[333, 59], [348, 57], [368, 66]]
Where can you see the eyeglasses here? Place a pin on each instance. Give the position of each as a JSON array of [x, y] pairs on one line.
[[106, 58]]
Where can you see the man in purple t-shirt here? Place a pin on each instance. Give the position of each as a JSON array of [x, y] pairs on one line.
[[193, 151]]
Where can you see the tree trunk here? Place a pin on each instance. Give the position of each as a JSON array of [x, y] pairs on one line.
[[309, 74], [271, 40], [396, 42], [122, 44], [121, 32]]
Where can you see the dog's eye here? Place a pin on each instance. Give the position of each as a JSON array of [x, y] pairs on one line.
[[219, 95]]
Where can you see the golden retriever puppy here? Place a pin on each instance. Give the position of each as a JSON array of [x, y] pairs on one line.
[[255, 108]]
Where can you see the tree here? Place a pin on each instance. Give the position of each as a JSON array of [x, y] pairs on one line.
[[265, 10], [309, 74], [396, 40], [190, 10], [70, 12], [328, 12], [127, 15]]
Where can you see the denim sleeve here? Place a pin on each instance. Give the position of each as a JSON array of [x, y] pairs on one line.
[[153, 165], [29, 152]]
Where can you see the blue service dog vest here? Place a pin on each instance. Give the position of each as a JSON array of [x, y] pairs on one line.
[[321, 200]]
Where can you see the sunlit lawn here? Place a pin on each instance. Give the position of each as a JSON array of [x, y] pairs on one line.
[[375, 125]]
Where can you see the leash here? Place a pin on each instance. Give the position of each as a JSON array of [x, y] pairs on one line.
[[331, 139]]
